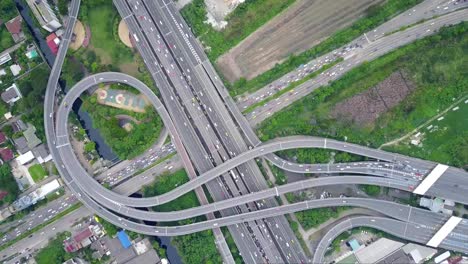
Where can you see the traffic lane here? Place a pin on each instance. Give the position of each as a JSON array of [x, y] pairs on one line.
[[147, 177], [279, 144], [390, 226], [41, 238], [39, 216]]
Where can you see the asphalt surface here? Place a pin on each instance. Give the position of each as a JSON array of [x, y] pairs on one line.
[[368, 52], [228, 220], [425, 10], [396, 227], [179, 68]]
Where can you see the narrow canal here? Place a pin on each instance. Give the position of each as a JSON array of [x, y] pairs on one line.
[[102, 148]]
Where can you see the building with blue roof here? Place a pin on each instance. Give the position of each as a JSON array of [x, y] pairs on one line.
[[124, 239]]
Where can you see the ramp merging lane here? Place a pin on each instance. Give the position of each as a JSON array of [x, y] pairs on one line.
[[110, 202], [103, 200]]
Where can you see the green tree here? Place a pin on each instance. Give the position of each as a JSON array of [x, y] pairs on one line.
[[63, 7], [8, 184]]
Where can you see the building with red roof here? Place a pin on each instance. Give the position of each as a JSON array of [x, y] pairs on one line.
[[3, 138], [52, 42], [3, 194], [14, 26], [6, 154]]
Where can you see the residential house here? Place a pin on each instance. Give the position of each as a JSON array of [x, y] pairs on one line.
[[19, 126], [3, 138], [4, 58], [31, 138], [42, 154], [15, 69], [21, 145], [25, 158], [6, 154], [53, 42], [44, 14], [14, 26], [11, 94]]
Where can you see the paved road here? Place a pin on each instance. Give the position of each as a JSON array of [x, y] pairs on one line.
[[41, 238], [394, 227], [133, 226], [368, 52], [179, 68], [39, 216], [424, 10], [129, 169]]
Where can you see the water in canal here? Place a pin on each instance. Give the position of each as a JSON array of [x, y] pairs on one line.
[[102, 148]]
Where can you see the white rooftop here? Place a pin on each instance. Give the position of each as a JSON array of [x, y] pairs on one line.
[[25, 158]]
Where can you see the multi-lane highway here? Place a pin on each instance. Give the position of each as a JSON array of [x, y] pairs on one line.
[[279, 144], [205, 126], [190, 89]]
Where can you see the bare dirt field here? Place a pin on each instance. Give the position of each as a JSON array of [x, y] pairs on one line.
[[300, 27], [366, 107], [124, 34], [79, 32]]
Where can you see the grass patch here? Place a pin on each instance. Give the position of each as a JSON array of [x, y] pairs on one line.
[[37, 172], [6, 40], [444, 141], [371, 190], [439, 76], [244, 20], [98, 14]]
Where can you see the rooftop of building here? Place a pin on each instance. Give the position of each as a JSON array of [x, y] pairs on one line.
[[14, 25]]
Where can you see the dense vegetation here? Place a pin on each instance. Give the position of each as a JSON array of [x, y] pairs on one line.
[[371, 190], [193, 248], [314, 156], [7, 10], [244, 20], [126, 144], [32, 88], [315, 217], [375, 16], [54, 253], [440, 76], [6, 40], [280, 175], [7, 184]]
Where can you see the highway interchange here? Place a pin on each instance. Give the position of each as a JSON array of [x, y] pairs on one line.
[[57, 140]]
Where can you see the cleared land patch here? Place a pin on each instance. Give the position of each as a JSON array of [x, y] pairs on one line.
[[367, 106], [299, 28], [79, 32]]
